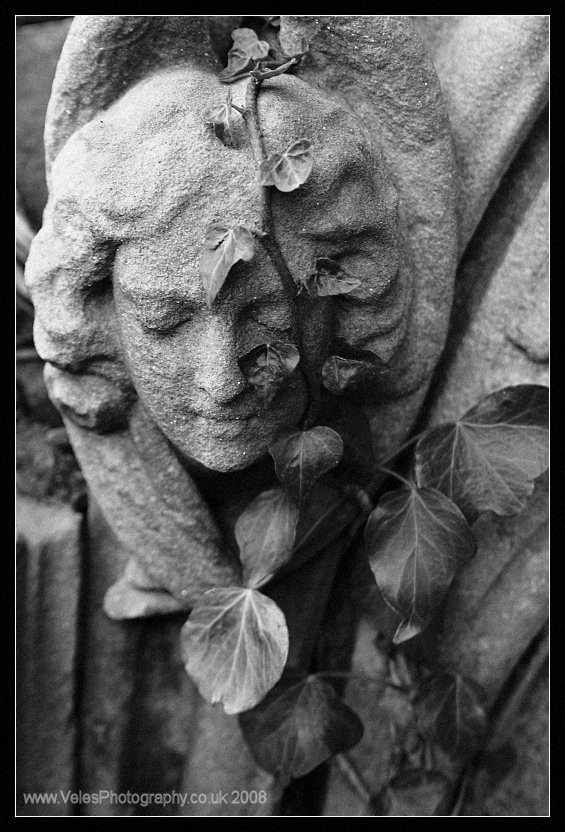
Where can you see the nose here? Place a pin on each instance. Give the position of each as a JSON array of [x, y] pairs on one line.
[[216, 371]]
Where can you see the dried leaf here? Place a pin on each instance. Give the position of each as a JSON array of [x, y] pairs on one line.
[[223, 247], [416, 541], [268, 366], [451, 713], [234, 645], [489, 459], [265, 533], [415, 792], [290, 169], [303, 456], [300, 724], [331, 279]]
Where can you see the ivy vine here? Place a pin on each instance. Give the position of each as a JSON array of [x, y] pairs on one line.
[[417, 536]]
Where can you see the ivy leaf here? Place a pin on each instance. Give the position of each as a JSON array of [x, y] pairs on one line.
[[331, 279], [234, 646], [265, 533], [220, 116], [340, 374], [246, 49], [489, 459], [413, 792], [303, 456], [416, 541], [223, 247], [451, 713], [268, 366], [290, 169], [247, 40], [299, 725], [238, 61]]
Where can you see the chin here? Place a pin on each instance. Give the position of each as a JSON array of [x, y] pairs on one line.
[[229, 461], [227, 445], [223, 446]]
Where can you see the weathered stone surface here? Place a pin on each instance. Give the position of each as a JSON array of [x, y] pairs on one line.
[[494, 74], [137, 704], [496, 279], [108, 655], [105, 54], [162, 717], [525, 788], [49, 557], [154, 509], [221, 762], [499, 601]]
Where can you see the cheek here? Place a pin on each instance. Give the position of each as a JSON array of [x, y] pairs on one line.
[[157, 364]]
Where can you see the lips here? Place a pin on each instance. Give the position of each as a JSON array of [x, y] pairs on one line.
[[215, 417]]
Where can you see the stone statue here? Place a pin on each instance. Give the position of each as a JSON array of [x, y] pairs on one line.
[[150, 380]]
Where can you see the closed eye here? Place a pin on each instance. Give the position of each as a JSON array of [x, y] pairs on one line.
[[164, 319], [272, 316]]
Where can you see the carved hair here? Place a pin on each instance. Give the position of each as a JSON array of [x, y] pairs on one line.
[[69, 276]]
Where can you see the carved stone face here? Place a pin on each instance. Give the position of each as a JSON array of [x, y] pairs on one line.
[[133, 192], [185, 359]]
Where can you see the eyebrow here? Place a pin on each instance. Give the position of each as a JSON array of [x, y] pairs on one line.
[[166, 296], [342, 229], [195, 298]]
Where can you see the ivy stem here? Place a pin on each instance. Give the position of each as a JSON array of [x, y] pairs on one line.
[[392, 473], [403, 447], [261, 75], [269, 242], [374, 485], [252, 119], [352, 776], [271, 73]]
